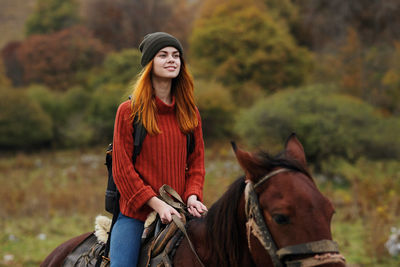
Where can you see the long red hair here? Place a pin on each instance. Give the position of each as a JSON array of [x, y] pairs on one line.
[[144, 106]]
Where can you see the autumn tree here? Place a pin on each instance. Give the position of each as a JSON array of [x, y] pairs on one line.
[[365, 72], [4, 81], [52, 15], [325, 22], [124, 23], [241, 42], [55, 59], [12, 67]]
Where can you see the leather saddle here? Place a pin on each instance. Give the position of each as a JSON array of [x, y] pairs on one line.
[[159, 241]]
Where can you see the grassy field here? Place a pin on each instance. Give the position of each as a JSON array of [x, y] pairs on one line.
[[49, 197]]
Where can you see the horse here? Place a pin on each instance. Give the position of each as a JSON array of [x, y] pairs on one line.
[[274, 216]]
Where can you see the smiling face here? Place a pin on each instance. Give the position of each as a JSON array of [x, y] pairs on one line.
[[167, 63]]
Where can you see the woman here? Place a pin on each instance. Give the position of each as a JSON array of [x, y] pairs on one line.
[[163, 101]]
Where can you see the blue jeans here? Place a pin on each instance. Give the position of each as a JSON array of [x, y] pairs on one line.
[[125, 241]]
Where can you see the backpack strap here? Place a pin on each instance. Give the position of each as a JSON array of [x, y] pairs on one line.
[[139, 133], [190, 143]]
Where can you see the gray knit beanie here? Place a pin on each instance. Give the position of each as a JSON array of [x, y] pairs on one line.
[[153, 42]]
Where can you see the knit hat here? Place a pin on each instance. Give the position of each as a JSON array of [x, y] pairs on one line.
[[153, 42]]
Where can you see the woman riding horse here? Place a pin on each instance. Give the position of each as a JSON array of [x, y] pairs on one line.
[[273, 216]]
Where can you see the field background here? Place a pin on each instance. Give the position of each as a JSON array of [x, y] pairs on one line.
[[327, 70], [49, 197]]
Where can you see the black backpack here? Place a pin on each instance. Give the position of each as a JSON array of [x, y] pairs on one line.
[[139, 133]]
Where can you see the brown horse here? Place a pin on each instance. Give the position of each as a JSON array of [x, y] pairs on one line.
[[274, 216]]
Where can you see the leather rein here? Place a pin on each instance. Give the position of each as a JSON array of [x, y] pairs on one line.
[[322, 251]]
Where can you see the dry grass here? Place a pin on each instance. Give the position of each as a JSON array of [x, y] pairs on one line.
[[370, 205]]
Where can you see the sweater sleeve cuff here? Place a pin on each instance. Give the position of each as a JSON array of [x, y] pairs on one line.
[[141, 197], [194, 191]]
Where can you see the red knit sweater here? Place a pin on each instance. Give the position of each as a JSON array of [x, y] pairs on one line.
[[162, 160]]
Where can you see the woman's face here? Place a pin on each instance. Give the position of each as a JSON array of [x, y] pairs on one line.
[[167, 63]]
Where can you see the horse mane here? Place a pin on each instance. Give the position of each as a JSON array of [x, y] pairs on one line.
[[222, 218], [222, 226]]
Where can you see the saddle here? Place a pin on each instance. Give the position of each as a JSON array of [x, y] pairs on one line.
[[159, 241]]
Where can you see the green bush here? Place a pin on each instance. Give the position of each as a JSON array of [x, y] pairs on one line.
[[52, 15], [75, 129], [216, 109], [23, 123], [328, 124], [102, 109], [49, 100], [68, 111], [118, 68]]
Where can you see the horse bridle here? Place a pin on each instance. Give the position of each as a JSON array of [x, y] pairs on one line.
[[322, 251]]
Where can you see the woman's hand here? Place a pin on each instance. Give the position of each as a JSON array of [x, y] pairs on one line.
[[195, 207], [164, 210]]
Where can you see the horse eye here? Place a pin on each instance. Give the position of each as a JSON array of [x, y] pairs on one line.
[[281, 219]]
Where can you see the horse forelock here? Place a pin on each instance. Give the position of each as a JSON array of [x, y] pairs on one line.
[[269, 163]]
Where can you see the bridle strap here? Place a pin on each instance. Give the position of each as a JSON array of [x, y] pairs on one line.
[[269, 175], [255, 221], [321, 246], [256, 225]]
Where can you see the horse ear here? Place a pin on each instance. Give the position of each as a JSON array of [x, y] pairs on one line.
[[295, 150], [247, 161]]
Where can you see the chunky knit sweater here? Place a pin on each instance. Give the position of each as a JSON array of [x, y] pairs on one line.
[[162, 160]]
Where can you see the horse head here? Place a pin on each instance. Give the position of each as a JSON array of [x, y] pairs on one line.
[[287, 218]]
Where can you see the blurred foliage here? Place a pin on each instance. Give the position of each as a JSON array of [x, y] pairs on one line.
[[370, 198], [239, 43], [50, 16], [325, 23], [217, 110], [102, 109], [55, 59], [68, 111], [12, 66], [368, 73], [391, 82], [240, 53], [330, 125], [118, 68], [123, 23], [4, 80], [23, 123]]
